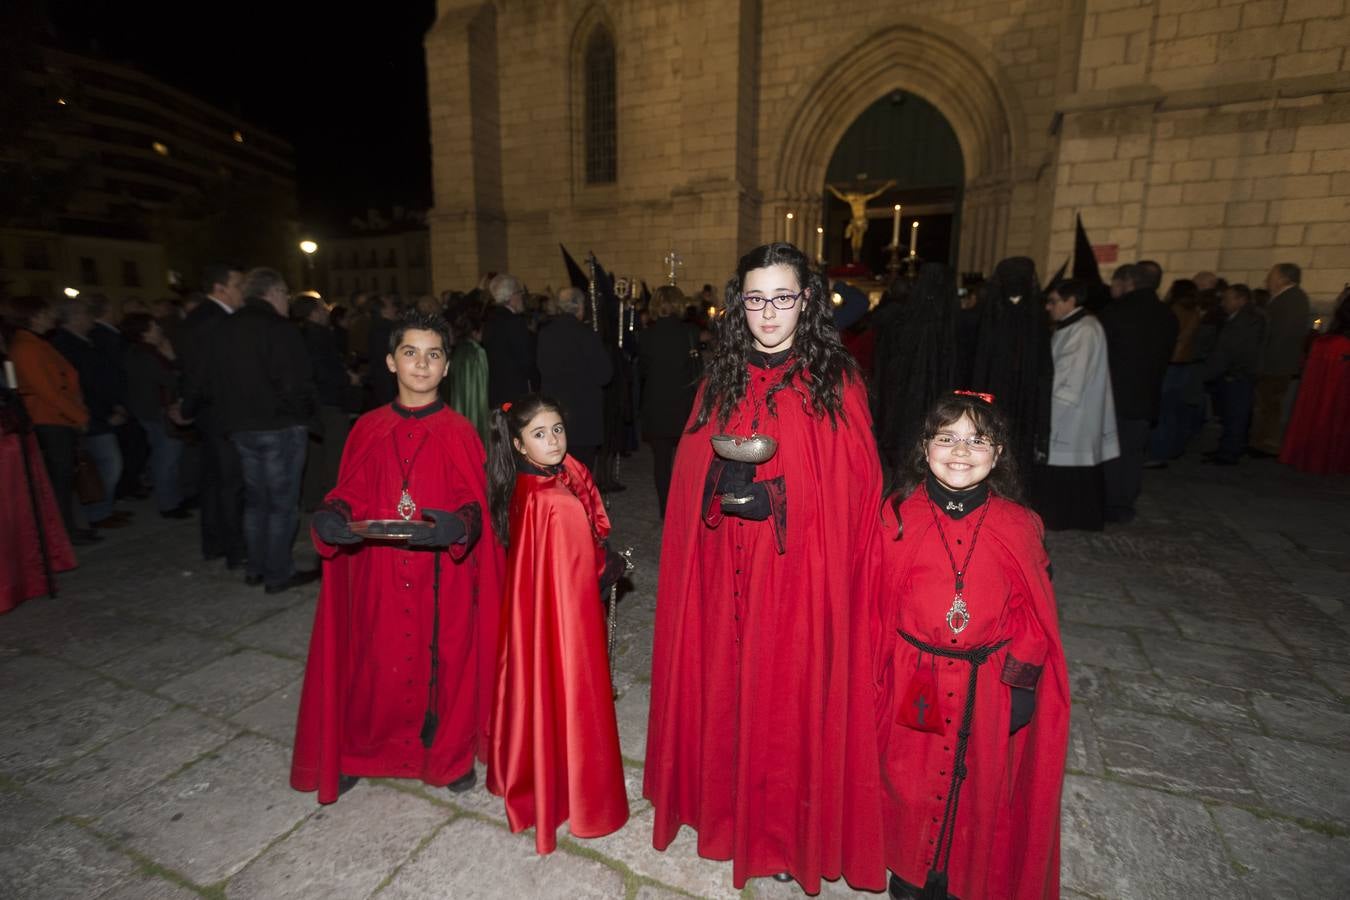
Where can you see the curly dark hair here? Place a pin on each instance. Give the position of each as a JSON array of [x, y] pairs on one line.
[[819, 355], [413, 320], [503, 426], [1004, 479]]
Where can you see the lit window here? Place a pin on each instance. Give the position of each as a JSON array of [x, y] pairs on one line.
[[601, 119], [238, 137], [60, 101], [159, 148]]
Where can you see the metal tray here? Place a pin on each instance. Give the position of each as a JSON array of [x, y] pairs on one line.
[[390, 529]]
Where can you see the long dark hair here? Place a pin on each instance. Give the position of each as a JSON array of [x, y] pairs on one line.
[[503, 426], [818, 353], [1004, 479]]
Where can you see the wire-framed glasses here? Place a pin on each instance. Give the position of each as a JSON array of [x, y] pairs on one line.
[[976, 443]]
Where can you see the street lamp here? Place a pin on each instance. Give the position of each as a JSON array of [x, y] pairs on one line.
[[308, 248], [71, 293]]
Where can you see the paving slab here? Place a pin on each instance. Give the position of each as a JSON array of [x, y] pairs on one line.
[[286, 632], [1172, 755], [1305, 720], [470, 859], [22, 814], [1182, 697], [40, 738], [107, 777], [1282, 859], [631, 711], [29, 679], [679, 866], [1232, 632], [214, 817], [1114, 613], [147, 887], [1297, 778], [1249, 669], [274, 715], [60, 861], [1110, 648], [1162, 847], [344, 850], [1313, 635], [233, 682], [168, 655]]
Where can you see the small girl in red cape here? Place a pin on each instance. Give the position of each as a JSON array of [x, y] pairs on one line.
[[555, 742], [973, 715]]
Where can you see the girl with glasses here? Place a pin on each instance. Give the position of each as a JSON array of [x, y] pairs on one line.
[[761, 735], [974, 701]]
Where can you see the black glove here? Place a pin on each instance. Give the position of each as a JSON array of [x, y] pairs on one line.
[[756, 509], [332, 528], [615, 565], [1023, 705], [736, 477], [449, 529]]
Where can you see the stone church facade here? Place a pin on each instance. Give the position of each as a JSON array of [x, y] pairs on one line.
[[1206, 134]]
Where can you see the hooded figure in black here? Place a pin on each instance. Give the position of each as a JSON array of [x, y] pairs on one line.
[[915, 361], [1012, 357]]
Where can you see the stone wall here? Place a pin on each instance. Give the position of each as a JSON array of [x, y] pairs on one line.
[[1205, 134], [1212, 136]]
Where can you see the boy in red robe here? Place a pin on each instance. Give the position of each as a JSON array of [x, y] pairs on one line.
[[402, 658], [973, 720], [761, 733]]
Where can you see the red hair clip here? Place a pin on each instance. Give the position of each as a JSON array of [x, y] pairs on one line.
[[987, 398], [506, 407]]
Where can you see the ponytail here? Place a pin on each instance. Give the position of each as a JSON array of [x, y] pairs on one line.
[[506, 423]]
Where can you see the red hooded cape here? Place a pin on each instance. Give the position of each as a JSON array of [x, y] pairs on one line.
[[761, 726], [555, 743], [366, 681], [23, 574], [1318, 437], [1006, 838]]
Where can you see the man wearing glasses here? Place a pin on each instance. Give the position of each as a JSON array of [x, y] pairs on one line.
[[260, 386]]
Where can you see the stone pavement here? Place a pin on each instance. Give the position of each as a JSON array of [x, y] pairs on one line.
[[147, 718]]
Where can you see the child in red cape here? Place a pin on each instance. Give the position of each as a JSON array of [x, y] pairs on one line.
[[761, 732], [401, 660], [974, 700], [555, 743]]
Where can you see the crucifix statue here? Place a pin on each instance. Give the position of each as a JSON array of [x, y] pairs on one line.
[[857, 202]]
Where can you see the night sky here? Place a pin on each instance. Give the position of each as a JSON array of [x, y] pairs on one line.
[[345, 83]]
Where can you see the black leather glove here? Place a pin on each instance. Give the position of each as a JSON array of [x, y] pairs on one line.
[[1023, 705], [332, 528], [756, 509], [449, 529], [615, 565], [736, 477]]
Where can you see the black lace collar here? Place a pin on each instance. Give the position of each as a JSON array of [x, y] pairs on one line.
[[956, 504]]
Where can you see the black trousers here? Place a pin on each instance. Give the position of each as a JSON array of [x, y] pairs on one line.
[[221, 492], [663, 452], [58, 444]]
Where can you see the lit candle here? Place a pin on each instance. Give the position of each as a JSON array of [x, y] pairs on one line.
[[913, 237], [895, 226], [820, 242], [790, 229]]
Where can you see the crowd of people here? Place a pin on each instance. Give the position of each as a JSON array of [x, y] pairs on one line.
[[826, 475]]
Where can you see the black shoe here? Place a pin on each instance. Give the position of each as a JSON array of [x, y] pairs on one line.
[[252, 580], [178, 512], [464, 783], [235, 562], [901, 890], [783, 878], [346, 783], [296, 580], [83, 537]]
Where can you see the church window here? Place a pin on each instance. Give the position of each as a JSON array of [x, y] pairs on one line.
[[601, 118]]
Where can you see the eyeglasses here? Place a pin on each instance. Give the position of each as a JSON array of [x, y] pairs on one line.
[[976, 443], [780, 301]]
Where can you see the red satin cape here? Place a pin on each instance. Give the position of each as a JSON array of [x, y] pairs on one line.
[[1006, 839], [555, 743], [22, 572], [1318, 437], [761, 732], [366, 680]]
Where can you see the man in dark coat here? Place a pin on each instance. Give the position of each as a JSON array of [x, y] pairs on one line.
[[669, 366], [574, 368], [221, 486], [381, 388], [334, 386], [1233, 366], [1287, 315], [1140, 334], [508, 342], [261, 388]]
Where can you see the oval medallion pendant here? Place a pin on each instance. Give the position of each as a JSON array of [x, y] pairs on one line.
[[406, 507], [958, 617]]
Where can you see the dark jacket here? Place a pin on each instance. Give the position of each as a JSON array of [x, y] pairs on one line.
[[1287, 332], [100, 379], [574, 368], [1140, 335], [330, 375], [1237, 353], [256, 373], [152, 382], [112, 348], [510, 353], [200, 328], [669, 367], [382, 383]]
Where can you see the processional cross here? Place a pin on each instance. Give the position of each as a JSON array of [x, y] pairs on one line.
[[857, 202]]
